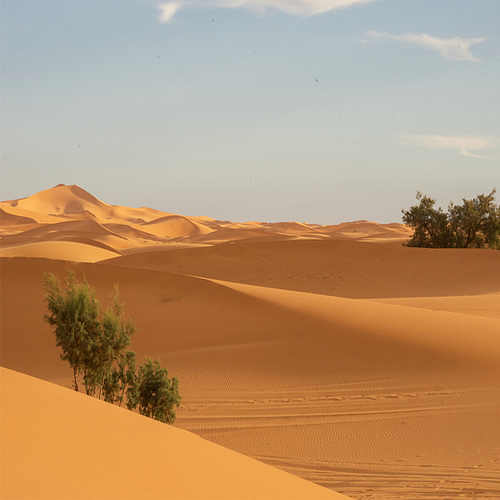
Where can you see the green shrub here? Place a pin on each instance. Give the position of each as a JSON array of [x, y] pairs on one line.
[[474, 224], [94, 342]]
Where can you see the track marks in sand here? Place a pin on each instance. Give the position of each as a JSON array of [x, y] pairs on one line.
[[487, 305], [372, 481], [378, 441]]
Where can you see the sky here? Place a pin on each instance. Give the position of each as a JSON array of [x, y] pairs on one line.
[[320, 111]]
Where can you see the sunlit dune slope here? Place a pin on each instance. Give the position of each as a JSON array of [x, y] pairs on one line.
[[67, 201], [343, 268], [175, 226], [478, 305], [58, 444], [366, 230], [12, 215], [79, 250]]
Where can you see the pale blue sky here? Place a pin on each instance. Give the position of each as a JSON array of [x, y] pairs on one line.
[[264, 110]]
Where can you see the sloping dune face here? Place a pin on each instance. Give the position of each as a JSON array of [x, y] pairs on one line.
[[58, 444], [353, 362], [353, 269]]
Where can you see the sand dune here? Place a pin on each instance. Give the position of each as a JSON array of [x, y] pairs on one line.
[[62, 200], [478, 305], [60, 209], [299, 380], [7, 218], [14, 215], [69, 202], [336, 267], [344, 333], [61, 444], [366, 230], [79, 250], [53, 232], [130, 232], [336, 354], [289, 227], [174, 226]]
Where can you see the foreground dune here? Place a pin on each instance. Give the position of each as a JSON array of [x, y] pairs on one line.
[[331, 352], [362, 397], [58, 444]]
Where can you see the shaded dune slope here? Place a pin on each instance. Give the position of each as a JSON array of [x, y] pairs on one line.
[[7, 218], [321, 332]]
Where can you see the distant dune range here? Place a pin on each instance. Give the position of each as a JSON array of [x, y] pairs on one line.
[[331, 352]]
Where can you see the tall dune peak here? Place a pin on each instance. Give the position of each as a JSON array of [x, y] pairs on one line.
[[77, 191], [60, 200]]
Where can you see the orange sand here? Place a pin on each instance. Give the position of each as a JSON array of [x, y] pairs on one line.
[[59, 444], [331, 352]]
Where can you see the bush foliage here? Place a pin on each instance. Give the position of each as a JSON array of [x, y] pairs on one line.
[[473, 224], [94, 342], [157, 394]]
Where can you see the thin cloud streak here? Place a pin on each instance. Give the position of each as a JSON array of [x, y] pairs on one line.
[[453, 49], [464, 144], [293, 7], [168, 10]]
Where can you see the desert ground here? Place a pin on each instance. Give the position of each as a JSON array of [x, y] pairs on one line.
[[314, 361]]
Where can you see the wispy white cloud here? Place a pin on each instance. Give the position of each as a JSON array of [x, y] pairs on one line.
[[168, 10], [292, 7], [454, 49], [464, 144]]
